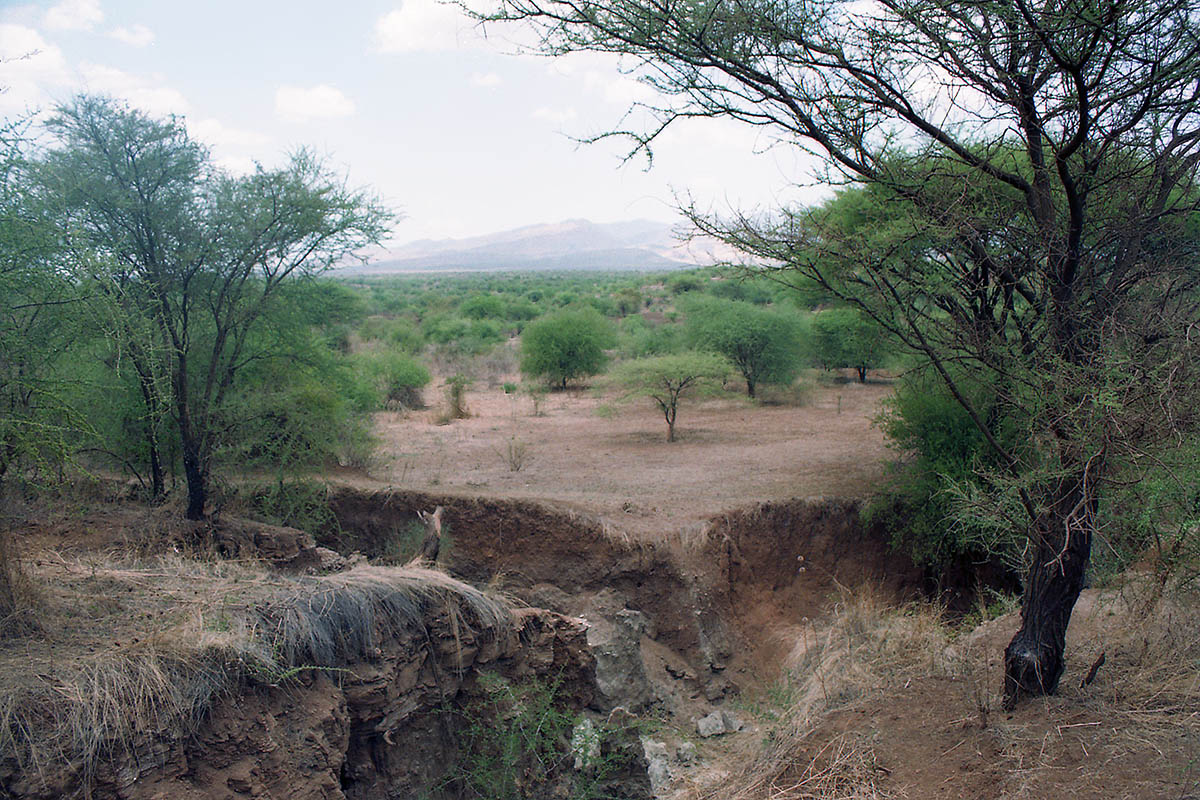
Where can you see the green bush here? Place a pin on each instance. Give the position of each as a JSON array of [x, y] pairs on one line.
[[944, 455], [515, 742], [400, 333], [843, 337], [763, 344], [639, 339], [567, 345], [681, 284], [483, 306], [397, 377], [464, 336]]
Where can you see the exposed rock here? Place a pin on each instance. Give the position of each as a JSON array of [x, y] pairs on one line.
[[657, 764], [620, 672], [243, 538], [685, 753], [585, 744], [375, 728], [732, 723], [711, 725]]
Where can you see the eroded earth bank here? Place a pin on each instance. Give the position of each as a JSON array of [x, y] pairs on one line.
[[767, 653]]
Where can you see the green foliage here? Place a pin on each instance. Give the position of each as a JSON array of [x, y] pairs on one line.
[[190, 264], [301, 504], [483, 306], [1155, 515], [456, 397], [669, 379], [399, 332], [751, 291], [844, 337], [515, 743], [682, 284], [397, 377], [628, 301], [943, 455], [463, 336], [39, 320], [566, 345], [639, 338], [763, 344]]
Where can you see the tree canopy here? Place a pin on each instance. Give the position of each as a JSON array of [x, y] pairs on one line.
[[1022, 208], [669, 379], [763, 344], [189, 258], [566, 345]]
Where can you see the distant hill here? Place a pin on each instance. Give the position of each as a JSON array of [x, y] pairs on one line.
[[575, 244]]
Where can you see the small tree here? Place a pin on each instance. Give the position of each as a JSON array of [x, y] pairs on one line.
[[567, 345], [763, 344], [194, 258], [668, 379], [843, 337]]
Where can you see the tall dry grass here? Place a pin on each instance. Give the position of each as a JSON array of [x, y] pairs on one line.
[[19, 597], [127, 703], [866, 643]]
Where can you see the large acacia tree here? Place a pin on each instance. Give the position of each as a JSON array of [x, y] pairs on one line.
[[1025, 217], [189, 258]]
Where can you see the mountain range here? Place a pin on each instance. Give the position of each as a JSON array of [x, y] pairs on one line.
[[575, 244]]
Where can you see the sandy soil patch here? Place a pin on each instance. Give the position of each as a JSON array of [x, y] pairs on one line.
[[731, 453]]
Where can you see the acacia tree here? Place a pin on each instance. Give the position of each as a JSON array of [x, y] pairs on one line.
[[38, 305], [1029, 195], [763, 344], [843, 337], [566, 345], [191, 254], [668, 379]]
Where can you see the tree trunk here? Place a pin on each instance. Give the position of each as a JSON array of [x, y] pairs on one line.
[[157, 485], [750, 388], [1033, 660], [194, 473], [862, 374]]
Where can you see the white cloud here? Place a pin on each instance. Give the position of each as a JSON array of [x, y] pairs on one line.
[[424, 26], [137, 36], [33, 68], [216, 133], [146, 93], [559, 116], [486, 79], [236, 150], [319, 102], [74, 15]]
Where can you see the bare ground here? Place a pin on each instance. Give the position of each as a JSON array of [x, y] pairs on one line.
[[729, 453], [896, 706]]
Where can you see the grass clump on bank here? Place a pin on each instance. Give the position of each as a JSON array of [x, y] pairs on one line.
[[210, 630]]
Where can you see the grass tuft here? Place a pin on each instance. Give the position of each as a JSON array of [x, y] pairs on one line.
[[120, 704]]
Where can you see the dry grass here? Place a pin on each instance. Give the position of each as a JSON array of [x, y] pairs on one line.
[[231, 625], [866, 644], [19, 598]]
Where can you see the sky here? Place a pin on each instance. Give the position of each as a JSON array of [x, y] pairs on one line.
[[462, 134]]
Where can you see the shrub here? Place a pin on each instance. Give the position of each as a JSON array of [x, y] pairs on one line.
[[843, 337], [515, 741], [945, 454], [483, 306], [399, 379], [763, 344], [566, 345], [456, 397]]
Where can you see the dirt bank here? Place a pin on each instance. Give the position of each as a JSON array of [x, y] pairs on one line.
[[709, 593]]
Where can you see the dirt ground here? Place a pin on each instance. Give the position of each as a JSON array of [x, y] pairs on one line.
[[897, 718], [615, 461]]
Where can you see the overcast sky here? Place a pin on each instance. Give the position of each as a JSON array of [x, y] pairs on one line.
[[455, 130]]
